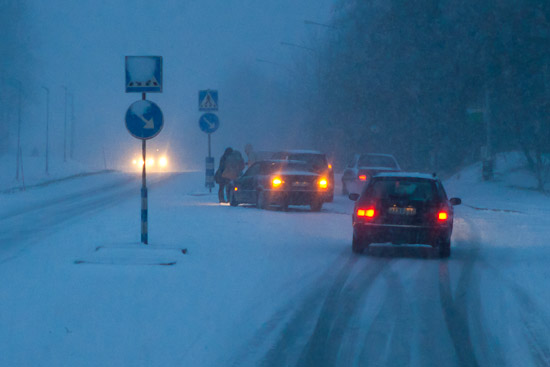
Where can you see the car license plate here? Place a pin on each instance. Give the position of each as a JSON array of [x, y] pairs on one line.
[[402, 211], [300, 184]]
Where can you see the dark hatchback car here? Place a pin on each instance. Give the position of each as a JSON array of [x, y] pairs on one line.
[[403, 208], [317, 160], [282, 183]]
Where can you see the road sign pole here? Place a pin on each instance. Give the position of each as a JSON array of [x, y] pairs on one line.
[[209, 146], [144, 118], [209, 157], [144, 232]]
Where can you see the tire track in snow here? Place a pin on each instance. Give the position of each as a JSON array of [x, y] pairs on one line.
[[388, 340], [461, 322], [536, 330], [318, 310], [455, 313], [341, 304], [272, 325]]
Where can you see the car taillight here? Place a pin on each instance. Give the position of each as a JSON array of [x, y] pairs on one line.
[[323, 183], [277, 182], [362, 177], [442, 216], [366, 213]]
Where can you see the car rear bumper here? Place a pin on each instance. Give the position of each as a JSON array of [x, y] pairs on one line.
[[401, 234], [295, 197]]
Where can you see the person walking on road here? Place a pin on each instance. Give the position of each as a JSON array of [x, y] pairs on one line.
[[234, 165], [220, 180]]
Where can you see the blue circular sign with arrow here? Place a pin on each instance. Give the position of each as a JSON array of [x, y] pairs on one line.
[[209, 123], [144, 120]]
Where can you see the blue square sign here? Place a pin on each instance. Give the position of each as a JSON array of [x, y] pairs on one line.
[[143, 74], [208, 100]]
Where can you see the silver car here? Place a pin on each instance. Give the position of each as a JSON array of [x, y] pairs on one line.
[[364, 166]]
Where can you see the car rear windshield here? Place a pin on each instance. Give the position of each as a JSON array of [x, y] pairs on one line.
[[413, 189], [376, 161], [273, 167], [318, 161]]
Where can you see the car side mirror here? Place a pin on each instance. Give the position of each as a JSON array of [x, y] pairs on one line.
[[353, 196], [455, 201]]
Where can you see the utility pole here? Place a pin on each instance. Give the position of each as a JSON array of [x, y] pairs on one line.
[[65, 129], [18, 159], [47, 127], [488, 162], [71, 155]]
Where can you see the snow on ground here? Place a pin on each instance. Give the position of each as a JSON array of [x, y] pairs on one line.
[[33, 171], [264, 287]]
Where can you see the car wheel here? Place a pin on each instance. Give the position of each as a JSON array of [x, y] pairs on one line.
[[444, 249], [260, 200], [316, 205], [358, 245], [345, 190], [233, 200]]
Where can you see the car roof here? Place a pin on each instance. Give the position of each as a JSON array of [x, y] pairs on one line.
[[301, 151], [285, 161], [378, 154], [425, 176]]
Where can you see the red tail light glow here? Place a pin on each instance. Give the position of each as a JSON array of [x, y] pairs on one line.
[[442, 216], [368, 213], [362, 177]]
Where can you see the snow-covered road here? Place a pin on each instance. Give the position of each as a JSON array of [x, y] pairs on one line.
[[264, 288]]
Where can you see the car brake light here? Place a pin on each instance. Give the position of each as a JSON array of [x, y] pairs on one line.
[[369, 213], [442, 216], [323, 183], [276, 182], [363, 177]]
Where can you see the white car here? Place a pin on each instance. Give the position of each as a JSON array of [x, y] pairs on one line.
[[362, 167]]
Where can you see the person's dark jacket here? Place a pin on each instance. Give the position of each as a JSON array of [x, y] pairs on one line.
[[218, 175]]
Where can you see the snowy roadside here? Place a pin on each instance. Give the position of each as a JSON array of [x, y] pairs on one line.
[[246, 274], [33, 172]]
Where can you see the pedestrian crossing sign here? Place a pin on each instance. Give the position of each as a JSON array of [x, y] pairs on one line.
[[208, 100]]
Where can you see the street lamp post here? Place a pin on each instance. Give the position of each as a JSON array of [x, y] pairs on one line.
[[65, 129], [71, 154], [47, 127], [18, 164]]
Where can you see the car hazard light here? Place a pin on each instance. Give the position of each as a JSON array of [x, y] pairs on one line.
[[276, 182]]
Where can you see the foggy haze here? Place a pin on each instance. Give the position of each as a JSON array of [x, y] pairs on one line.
[[204, 44]]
